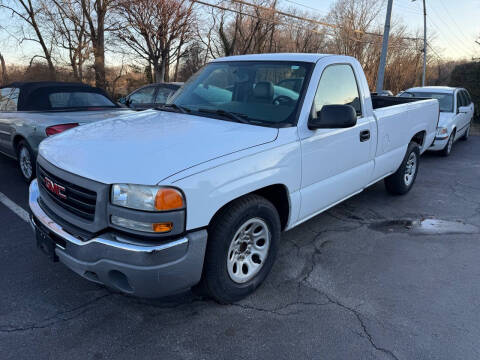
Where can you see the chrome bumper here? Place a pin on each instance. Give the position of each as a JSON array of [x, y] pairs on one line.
[[125, 264]]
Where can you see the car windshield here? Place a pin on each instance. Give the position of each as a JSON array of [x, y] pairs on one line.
[[445, 99], [78, 99], [256, 92]]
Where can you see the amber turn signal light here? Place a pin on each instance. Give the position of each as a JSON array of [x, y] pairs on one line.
[[168, 199], [162, 227]]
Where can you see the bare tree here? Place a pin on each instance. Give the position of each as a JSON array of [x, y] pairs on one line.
[[69, 32], [95, 12], [28, 11], [153, 28]]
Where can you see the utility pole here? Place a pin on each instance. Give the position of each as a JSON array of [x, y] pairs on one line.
[[383, 56], [424, 42]]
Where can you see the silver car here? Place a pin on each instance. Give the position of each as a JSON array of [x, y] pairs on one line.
[[31, 111]]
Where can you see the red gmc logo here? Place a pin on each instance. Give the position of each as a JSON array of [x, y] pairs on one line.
[[55, 188]]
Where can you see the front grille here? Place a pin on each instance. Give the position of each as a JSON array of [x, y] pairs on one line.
[[79, 201]]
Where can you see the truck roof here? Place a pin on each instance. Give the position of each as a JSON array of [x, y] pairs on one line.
[[303, 57], [440, 89]]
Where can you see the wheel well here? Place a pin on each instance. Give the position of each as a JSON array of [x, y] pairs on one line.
[[16, 140], [277, 194], [419, 138]]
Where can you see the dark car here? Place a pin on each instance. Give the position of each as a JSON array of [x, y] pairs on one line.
[[31, 111], [150, 96]]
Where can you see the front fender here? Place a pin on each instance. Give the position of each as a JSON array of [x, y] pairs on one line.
[[208, 191]]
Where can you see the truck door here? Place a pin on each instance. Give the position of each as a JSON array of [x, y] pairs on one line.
[[336, 163]]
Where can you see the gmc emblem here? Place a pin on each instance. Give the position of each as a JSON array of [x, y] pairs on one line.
[[55, 188]]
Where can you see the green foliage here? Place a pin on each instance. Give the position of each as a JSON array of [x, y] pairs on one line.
[[468, 76]]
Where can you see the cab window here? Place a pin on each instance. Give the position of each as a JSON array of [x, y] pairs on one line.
[[337, 86], [9, 99]]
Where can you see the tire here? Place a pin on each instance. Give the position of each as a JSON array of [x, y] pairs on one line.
[[224, 277], [403, 179], [466, 135], [26, 161], [447, 150]]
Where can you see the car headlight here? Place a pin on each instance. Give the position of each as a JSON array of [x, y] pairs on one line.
[[147, 198], [442, 132]]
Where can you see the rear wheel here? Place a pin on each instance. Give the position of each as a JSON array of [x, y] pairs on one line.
[[448, 147], [241, 249], [403, 179], [26, 161]]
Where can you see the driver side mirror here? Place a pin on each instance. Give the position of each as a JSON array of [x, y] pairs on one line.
[[463, 109], [334, 117]]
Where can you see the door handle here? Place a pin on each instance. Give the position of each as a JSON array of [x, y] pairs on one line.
[[364, 135]]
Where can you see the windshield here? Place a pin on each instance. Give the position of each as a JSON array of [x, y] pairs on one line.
[[78, 99], [445, 99], [257, 92]]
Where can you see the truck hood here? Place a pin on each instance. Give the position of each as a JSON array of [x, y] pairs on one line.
[[445, 119], [147, 147]]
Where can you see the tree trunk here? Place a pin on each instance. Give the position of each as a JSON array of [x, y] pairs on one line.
[[4, 77], [99, 49], [156, 71], [160, 71]]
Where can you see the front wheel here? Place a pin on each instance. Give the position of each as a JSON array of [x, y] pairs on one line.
[[26, 161], [241, 249], [448, 147], [402, 180]]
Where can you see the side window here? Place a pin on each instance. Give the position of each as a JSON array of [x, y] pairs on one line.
[[9, 99], [162, 95], [468, 99], [142, 96], [337, 86], [459, 100]]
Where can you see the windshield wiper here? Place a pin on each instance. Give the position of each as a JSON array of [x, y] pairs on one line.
[[241, 118], [170, 107]]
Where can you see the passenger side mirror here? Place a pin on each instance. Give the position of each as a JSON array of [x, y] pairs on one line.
[[334, 117], [122, 100], [463, 109]]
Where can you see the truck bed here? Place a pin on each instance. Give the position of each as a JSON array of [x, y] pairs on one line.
[[379, 101]]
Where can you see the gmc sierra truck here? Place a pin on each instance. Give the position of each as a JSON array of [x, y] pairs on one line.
[[197, 192]]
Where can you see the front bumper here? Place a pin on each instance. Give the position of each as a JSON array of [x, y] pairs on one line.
[[439, 144], [124, 264]]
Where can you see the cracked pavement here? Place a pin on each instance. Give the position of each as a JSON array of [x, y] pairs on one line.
[[341, 288]]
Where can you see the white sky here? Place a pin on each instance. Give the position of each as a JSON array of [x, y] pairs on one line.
[[455, 25]]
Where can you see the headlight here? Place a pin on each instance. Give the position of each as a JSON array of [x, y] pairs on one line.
[[147, 198], [442, 132]]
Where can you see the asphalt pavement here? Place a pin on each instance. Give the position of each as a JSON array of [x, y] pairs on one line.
[[376, 277]]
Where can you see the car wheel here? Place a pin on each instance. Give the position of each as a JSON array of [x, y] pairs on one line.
[[467, 133], [26, 161], [241, 249], [448, 147], [402, 180]]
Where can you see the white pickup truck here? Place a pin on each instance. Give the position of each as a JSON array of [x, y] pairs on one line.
[[198, 192]]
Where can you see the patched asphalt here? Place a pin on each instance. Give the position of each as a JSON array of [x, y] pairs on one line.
[[362, 281]]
